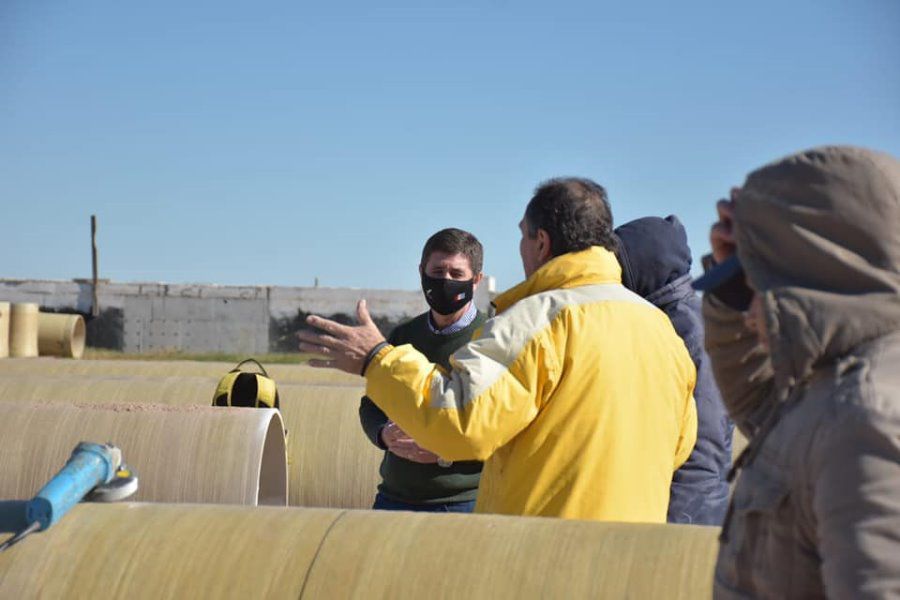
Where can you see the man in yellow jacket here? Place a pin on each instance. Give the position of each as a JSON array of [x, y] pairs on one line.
[[577, 395]]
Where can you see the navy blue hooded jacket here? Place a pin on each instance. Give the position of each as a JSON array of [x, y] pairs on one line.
[[656, 264]]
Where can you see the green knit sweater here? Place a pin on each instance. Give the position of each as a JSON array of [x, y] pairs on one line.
[[411, 482]]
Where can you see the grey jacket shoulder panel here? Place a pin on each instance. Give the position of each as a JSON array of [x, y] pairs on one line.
[[817, 511], [854, 472]]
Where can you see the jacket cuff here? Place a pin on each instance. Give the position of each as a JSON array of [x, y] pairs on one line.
[[371, 356]]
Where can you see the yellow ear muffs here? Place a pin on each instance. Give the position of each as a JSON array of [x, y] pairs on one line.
[[239, 388], [256, 390]]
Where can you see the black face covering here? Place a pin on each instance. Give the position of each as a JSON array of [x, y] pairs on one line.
[[446, 296]]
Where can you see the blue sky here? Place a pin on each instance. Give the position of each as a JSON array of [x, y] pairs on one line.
[[276, 142]]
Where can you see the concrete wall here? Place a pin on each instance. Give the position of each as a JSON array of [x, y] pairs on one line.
[[146, 317]]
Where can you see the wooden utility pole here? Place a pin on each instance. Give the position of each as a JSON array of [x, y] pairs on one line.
[[95, 307]]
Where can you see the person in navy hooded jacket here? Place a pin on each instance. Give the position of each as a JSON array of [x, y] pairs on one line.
[[656, 264]]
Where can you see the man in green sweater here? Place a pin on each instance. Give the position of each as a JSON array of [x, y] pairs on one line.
[[412, 477]]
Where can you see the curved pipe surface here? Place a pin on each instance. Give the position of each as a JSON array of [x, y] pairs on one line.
[[23, 330], [61, 335], [4, 329], [180, 453], [164, 551], [331, 463], [281, 373]]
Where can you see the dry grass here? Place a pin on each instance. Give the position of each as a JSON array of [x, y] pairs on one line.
[[278, 358]]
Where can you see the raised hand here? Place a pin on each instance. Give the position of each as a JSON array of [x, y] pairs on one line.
[[344, 346]]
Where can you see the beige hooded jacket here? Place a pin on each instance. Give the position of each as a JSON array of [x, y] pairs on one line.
[[816, 510]]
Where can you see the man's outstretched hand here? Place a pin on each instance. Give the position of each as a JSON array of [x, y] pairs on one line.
[[344, 346]]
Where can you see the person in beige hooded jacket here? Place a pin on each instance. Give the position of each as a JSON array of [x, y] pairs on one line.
[[811, 375]]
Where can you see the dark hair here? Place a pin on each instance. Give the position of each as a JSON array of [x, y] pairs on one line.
[[455, 241], [574, 212]]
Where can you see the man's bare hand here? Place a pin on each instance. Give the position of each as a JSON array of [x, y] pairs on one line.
[[391, 432], [399, 443], [721, 236], [344, 346]]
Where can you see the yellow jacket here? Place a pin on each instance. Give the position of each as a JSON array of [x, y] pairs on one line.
[[577, 395]]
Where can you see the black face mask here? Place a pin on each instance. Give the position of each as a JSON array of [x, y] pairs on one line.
[[446, 296]]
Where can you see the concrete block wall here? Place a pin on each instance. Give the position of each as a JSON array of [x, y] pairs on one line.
[[194, 318], [147, 317]]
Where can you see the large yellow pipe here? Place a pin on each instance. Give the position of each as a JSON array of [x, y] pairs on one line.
[[180, 453], [331, 463], [281, 373], [23, 330], [4, 329], [164, 551], [61, 335]]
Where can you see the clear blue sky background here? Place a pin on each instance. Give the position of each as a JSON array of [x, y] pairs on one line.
[[274, 142]]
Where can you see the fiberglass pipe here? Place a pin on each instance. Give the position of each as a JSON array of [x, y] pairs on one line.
[[181, 454], [281, 373], [23, 330], [166, 551], [331, 463], [4, 329], [61, 335]]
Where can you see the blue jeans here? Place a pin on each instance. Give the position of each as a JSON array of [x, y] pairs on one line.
[[384, 503]]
